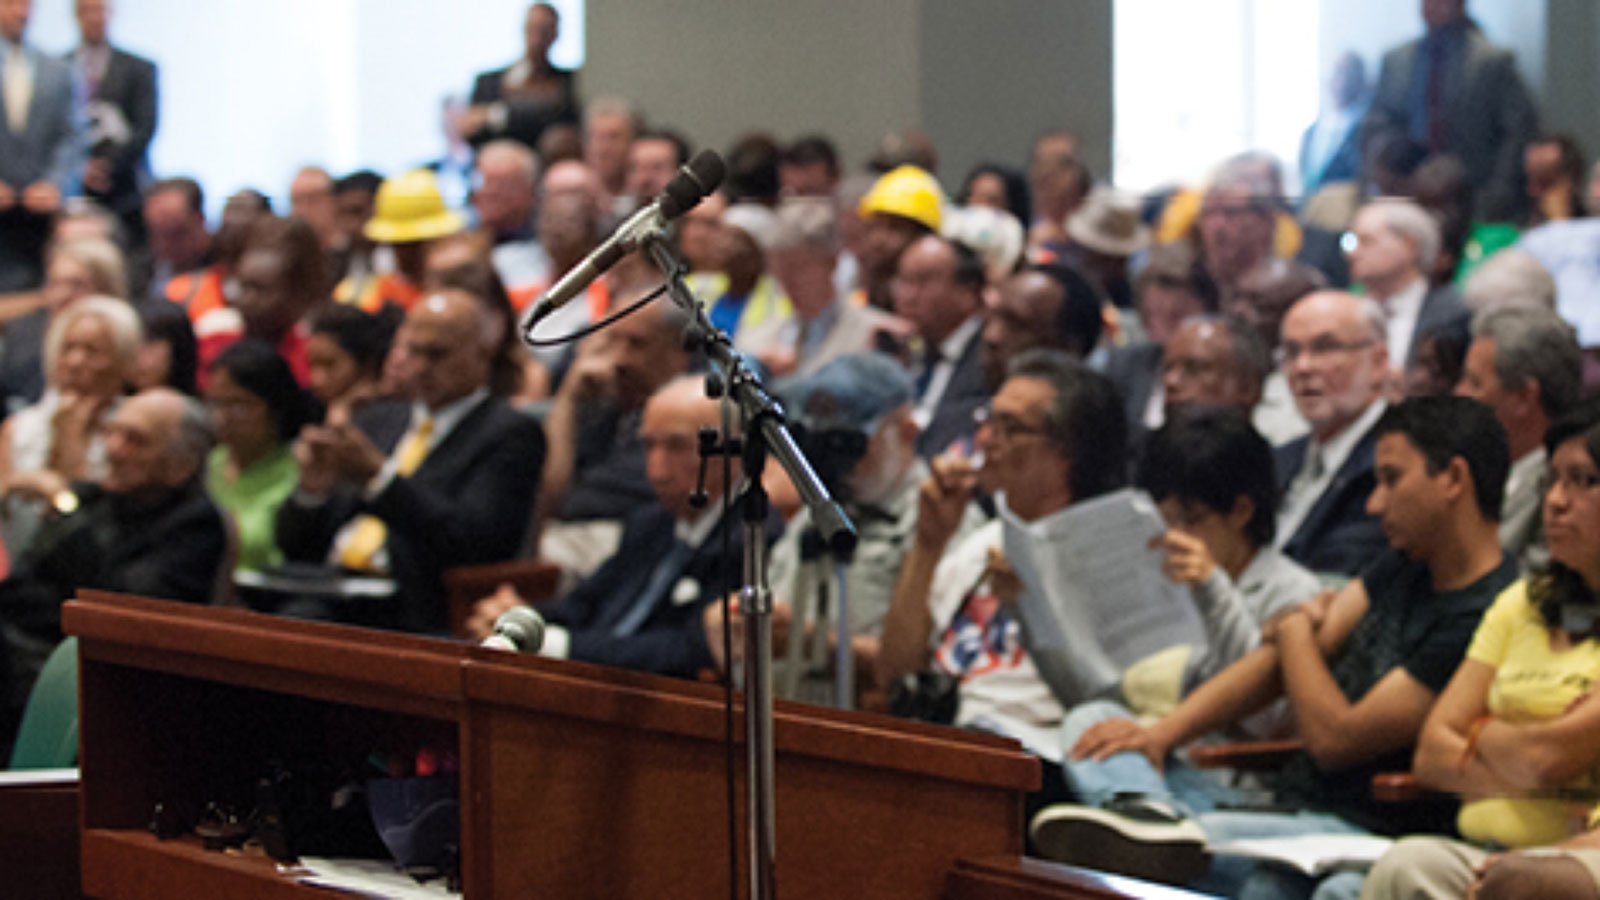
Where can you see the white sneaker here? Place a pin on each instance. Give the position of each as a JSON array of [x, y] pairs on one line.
[[1139, 836]]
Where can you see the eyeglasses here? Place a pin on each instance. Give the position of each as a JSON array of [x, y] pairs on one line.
[[1319, 349], [1004, 425], [1571, 479]]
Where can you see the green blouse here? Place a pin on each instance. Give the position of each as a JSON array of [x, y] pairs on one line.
[[252, 500]]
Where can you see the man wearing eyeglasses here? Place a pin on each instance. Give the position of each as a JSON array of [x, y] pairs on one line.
[[1393, 244], [1054, 435], [1335, 354]]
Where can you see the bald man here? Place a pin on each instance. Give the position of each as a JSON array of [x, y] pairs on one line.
[[407, 490], [145, 527], [642, 608], [1334, 352]]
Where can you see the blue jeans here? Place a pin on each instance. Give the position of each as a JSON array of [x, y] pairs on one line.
[[1199, 794], [1191, 790]]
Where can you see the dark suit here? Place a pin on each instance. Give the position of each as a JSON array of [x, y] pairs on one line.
[[671, 639], [47, 149], [1337, 535], [964, 393], [526, 119], [1135, 370], [128, 85], [1489, 116], [468, 502], [170, 550], [1442, 311], [1319, 249]]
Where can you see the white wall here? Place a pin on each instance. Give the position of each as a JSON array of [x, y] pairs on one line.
[[252, 90]]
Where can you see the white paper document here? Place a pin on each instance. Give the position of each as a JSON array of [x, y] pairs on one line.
[[370, 878], [1094, 599], [1314, 854]]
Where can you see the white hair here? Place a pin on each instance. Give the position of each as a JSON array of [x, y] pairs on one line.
[[1410, 221], [1512, 277], [518, 154], [127, 334]]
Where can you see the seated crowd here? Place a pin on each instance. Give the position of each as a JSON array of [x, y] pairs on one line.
[[1364, 470]]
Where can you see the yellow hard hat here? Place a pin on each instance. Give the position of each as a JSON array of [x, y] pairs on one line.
[[907, 192], [410, 208]]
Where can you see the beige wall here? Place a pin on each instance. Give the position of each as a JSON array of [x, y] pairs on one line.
[[718, 68], [982, 78]]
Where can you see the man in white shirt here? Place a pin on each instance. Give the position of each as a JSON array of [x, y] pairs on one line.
[[1337, 361], [1396, 243], [1524, 363]]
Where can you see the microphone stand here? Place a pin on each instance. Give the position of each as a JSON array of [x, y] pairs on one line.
[[764, 431]]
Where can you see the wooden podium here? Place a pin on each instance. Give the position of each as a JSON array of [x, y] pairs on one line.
[[575, 780]]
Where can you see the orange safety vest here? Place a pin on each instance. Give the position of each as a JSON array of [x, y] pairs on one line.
[[198, 292], [371, 293]]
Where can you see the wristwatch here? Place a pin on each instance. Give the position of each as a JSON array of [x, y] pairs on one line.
[[65, 502]]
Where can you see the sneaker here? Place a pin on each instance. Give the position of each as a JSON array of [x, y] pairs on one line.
[[1144, 837]]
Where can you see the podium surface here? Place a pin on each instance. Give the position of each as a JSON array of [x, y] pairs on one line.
[[575, 780]]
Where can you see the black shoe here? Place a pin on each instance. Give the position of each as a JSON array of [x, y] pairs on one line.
[[1139, 836]]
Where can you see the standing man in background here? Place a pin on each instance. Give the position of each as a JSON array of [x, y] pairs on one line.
[[1454, 92], [39, 148], [120, 91]]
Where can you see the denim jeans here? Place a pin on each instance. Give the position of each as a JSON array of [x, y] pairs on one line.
[[1198, 794], [1191, 790]]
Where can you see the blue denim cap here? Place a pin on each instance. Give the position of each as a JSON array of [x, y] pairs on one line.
[[852, 392]]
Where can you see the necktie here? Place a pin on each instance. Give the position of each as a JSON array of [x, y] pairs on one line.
[[930, 361], [1438, 125], [1315, 464], [661, 580], [1311, 472], [370, 533], [18, 90]]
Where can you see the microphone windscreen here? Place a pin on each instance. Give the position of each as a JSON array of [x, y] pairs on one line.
[[523, 626], [698, 178]]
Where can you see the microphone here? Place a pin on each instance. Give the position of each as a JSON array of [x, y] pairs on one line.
[[519, 629], [694, 180]]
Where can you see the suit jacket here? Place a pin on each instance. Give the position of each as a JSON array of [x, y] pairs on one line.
[[526, 119], [1337, 535], [1135, 370], [672, 640], [1319, 249], [1490, 118], [48, 147], [468, 503], [172, 551], [952, 417], [129, 85], [1442, 311]]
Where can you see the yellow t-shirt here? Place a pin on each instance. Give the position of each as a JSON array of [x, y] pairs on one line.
[[1530, 682]]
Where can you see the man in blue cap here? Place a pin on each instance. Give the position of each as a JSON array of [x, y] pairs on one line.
[[854, 420]]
